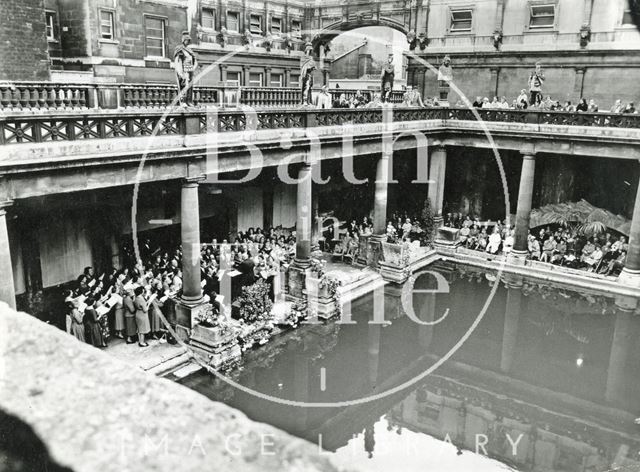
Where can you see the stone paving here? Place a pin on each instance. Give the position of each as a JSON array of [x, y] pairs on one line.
[[94, 413], [159, 357]]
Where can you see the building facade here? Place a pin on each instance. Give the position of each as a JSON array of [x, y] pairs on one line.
[[588, 48]]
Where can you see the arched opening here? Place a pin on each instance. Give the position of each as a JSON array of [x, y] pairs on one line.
[[357, 54]]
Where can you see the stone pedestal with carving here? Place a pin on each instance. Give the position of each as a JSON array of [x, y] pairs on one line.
[[296, 280], [394, 263], [216, 345], [320, 300]]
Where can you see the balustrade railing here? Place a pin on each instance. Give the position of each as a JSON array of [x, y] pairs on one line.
[[98, 125], [270, 97], [35, 96], [18, 96]]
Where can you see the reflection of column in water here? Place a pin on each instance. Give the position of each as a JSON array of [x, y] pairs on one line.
[[373, 335], [620, 346], [301, 390], [426, 309], [369, 440], [510, 334]]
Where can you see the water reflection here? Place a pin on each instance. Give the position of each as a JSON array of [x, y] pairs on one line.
[[549, 380]]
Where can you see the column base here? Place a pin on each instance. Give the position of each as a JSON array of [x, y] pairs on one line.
[[629, 277], [297, 283], [374, 250], [626, 304], [187, 311], [517, 257]]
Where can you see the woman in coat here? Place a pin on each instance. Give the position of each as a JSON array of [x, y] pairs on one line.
[[142, 316], [77, 327], [119, 309], [129, 316], [155, 310], [92, 325]]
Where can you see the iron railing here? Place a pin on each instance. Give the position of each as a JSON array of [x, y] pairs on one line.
[[37, 128]]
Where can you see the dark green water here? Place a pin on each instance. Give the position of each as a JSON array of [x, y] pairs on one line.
[[549, 380]]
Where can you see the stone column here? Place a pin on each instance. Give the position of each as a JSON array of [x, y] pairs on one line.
[[493, 83], [381, 191], [510, 333], [267, 77], [190, 233], [315, 231], [437, 169], [223, 74], [525, 195], [300, 269], [630, 275], [246, 72], [304, 215], [287, 78], [7, 289], [578, 84]]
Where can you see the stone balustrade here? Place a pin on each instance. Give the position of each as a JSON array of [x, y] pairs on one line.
[[20, 97], [270, 97], [37, 128], [46, 96]]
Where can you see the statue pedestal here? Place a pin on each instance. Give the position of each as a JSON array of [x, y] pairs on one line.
[[443, 90]]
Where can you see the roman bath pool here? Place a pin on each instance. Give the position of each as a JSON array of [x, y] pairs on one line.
[[548, 380]]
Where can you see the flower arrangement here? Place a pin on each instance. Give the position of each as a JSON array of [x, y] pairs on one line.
[[255, 304], [332, 285], [318, 267], [208, 317]]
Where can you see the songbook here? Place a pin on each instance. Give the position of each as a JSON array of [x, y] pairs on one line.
[[102, 310], [203, 283], [92, 283]]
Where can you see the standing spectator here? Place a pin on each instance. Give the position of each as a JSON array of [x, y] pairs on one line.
[[617, 107], [582, 106], [77, 326], [593, 107], [630, 108], [142, 316], [536, 80], [324, 98], [478, 103], [522, 101], [91, 320], [129, 316]]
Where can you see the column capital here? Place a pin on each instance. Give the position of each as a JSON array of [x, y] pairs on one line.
[[193, 181], [530, 155]]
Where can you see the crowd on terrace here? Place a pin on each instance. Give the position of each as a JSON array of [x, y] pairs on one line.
[[128, 302], [598, 252]]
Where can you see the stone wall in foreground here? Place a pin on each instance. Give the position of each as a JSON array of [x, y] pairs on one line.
[[94, 413]]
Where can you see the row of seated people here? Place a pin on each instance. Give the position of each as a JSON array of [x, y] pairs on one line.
[[128, 302], [401, 228], [601, 253]]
